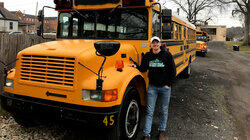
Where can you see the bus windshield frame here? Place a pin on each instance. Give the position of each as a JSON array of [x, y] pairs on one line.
[[121, 24]]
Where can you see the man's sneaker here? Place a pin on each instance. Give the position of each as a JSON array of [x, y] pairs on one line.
[[162, 135], [146, 138]]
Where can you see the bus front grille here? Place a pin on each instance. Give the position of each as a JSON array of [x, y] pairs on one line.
[[48, 69]]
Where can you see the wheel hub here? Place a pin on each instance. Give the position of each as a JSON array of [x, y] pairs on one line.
[[132, 118]]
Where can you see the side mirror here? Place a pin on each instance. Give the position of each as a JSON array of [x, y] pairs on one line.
[[107, 48], [40, 15], [40, 18], [166, 15]]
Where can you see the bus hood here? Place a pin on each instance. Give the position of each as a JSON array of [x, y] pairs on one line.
[[81, 50], [61, 48]]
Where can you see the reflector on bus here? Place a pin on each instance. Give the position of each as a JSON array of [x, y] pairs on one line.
[[95, 2], [63, 4], [126, 3]]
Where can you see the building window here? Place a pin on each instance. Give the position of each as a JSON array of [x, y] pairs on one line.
[[212, 31], [11, 25]]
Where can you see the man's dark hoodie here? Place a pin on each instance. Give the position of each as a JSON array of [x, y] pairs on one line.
[[161, 67]]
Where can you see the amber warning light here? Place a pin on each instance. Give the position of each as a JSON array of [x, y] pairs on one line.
[[119, 65], [133, 3]]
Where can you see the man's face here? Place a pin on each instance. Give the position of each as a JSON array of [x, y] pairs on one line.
[[155, 45]]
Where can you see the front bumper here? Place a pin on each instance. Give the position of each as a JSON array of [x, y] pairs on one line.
[[41, 109], [201, 51]]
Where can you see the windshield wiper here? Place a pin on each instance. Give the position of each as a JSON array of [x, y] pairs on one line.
[[114, 9], [79, 13]]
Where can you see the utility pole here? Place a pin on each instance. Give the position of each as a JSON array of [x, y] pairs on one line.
[[36, 8]]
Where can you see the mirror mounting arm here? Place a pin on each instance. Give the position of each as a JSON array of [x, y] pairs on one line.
[[99, 81]]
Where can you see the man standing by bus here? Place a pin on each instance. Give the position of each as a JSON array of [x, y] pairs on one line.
[[162, 72]]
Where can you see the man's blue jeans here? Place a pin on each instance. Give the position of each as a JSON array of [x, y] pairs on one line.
[[164, 97]]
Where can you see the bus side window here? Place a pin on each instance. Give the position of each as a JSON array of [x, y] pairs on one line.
[[176, 31], [75, 27], [180, 32], [64, 24], [185, 33]]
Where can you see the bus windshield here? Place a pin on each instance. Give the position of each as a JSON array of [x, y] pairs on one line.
[[124, 24], [201, 38]]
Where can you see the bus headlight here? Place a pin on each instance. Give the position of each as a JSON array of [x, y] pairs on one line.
[[91, 95], [9, 83], [99, 96]]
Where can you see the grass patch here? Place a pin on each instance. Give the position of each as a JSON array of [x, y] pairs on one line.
[[230, 45]]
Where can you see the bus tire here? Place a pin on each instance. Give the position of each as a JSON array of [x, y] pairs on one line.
[[129, 118], [187, 71], [203, 54]]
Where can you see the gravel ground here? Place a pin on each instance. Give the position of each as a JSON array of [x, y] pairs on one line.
[[12, 131], [202, 107]]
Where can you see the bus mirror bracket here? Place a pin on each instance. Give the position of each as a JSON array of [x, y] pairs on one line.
[[104, 49]]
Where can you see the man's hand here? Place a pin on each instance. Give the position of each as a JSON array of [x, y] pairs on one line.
[[167, 87], [132, 65]]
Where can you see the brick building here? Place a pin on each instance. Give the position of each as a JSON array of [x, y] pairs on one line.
[[50, 23], [29, 22], [216, 32]]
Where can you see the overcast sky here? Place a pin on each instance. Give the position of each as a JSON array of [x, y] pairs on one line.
[[29, 7]]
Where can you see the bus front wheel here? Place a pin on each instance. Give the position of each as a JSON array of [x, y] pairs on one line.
[[129, 118]]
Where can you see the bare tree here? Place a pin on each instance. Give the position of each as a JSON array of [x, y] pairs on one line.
[[193, 8], [242, 7]]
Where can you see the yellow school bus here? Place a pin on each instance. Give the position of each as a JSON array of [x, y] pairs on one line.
[[84, 75], [202, 39]]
